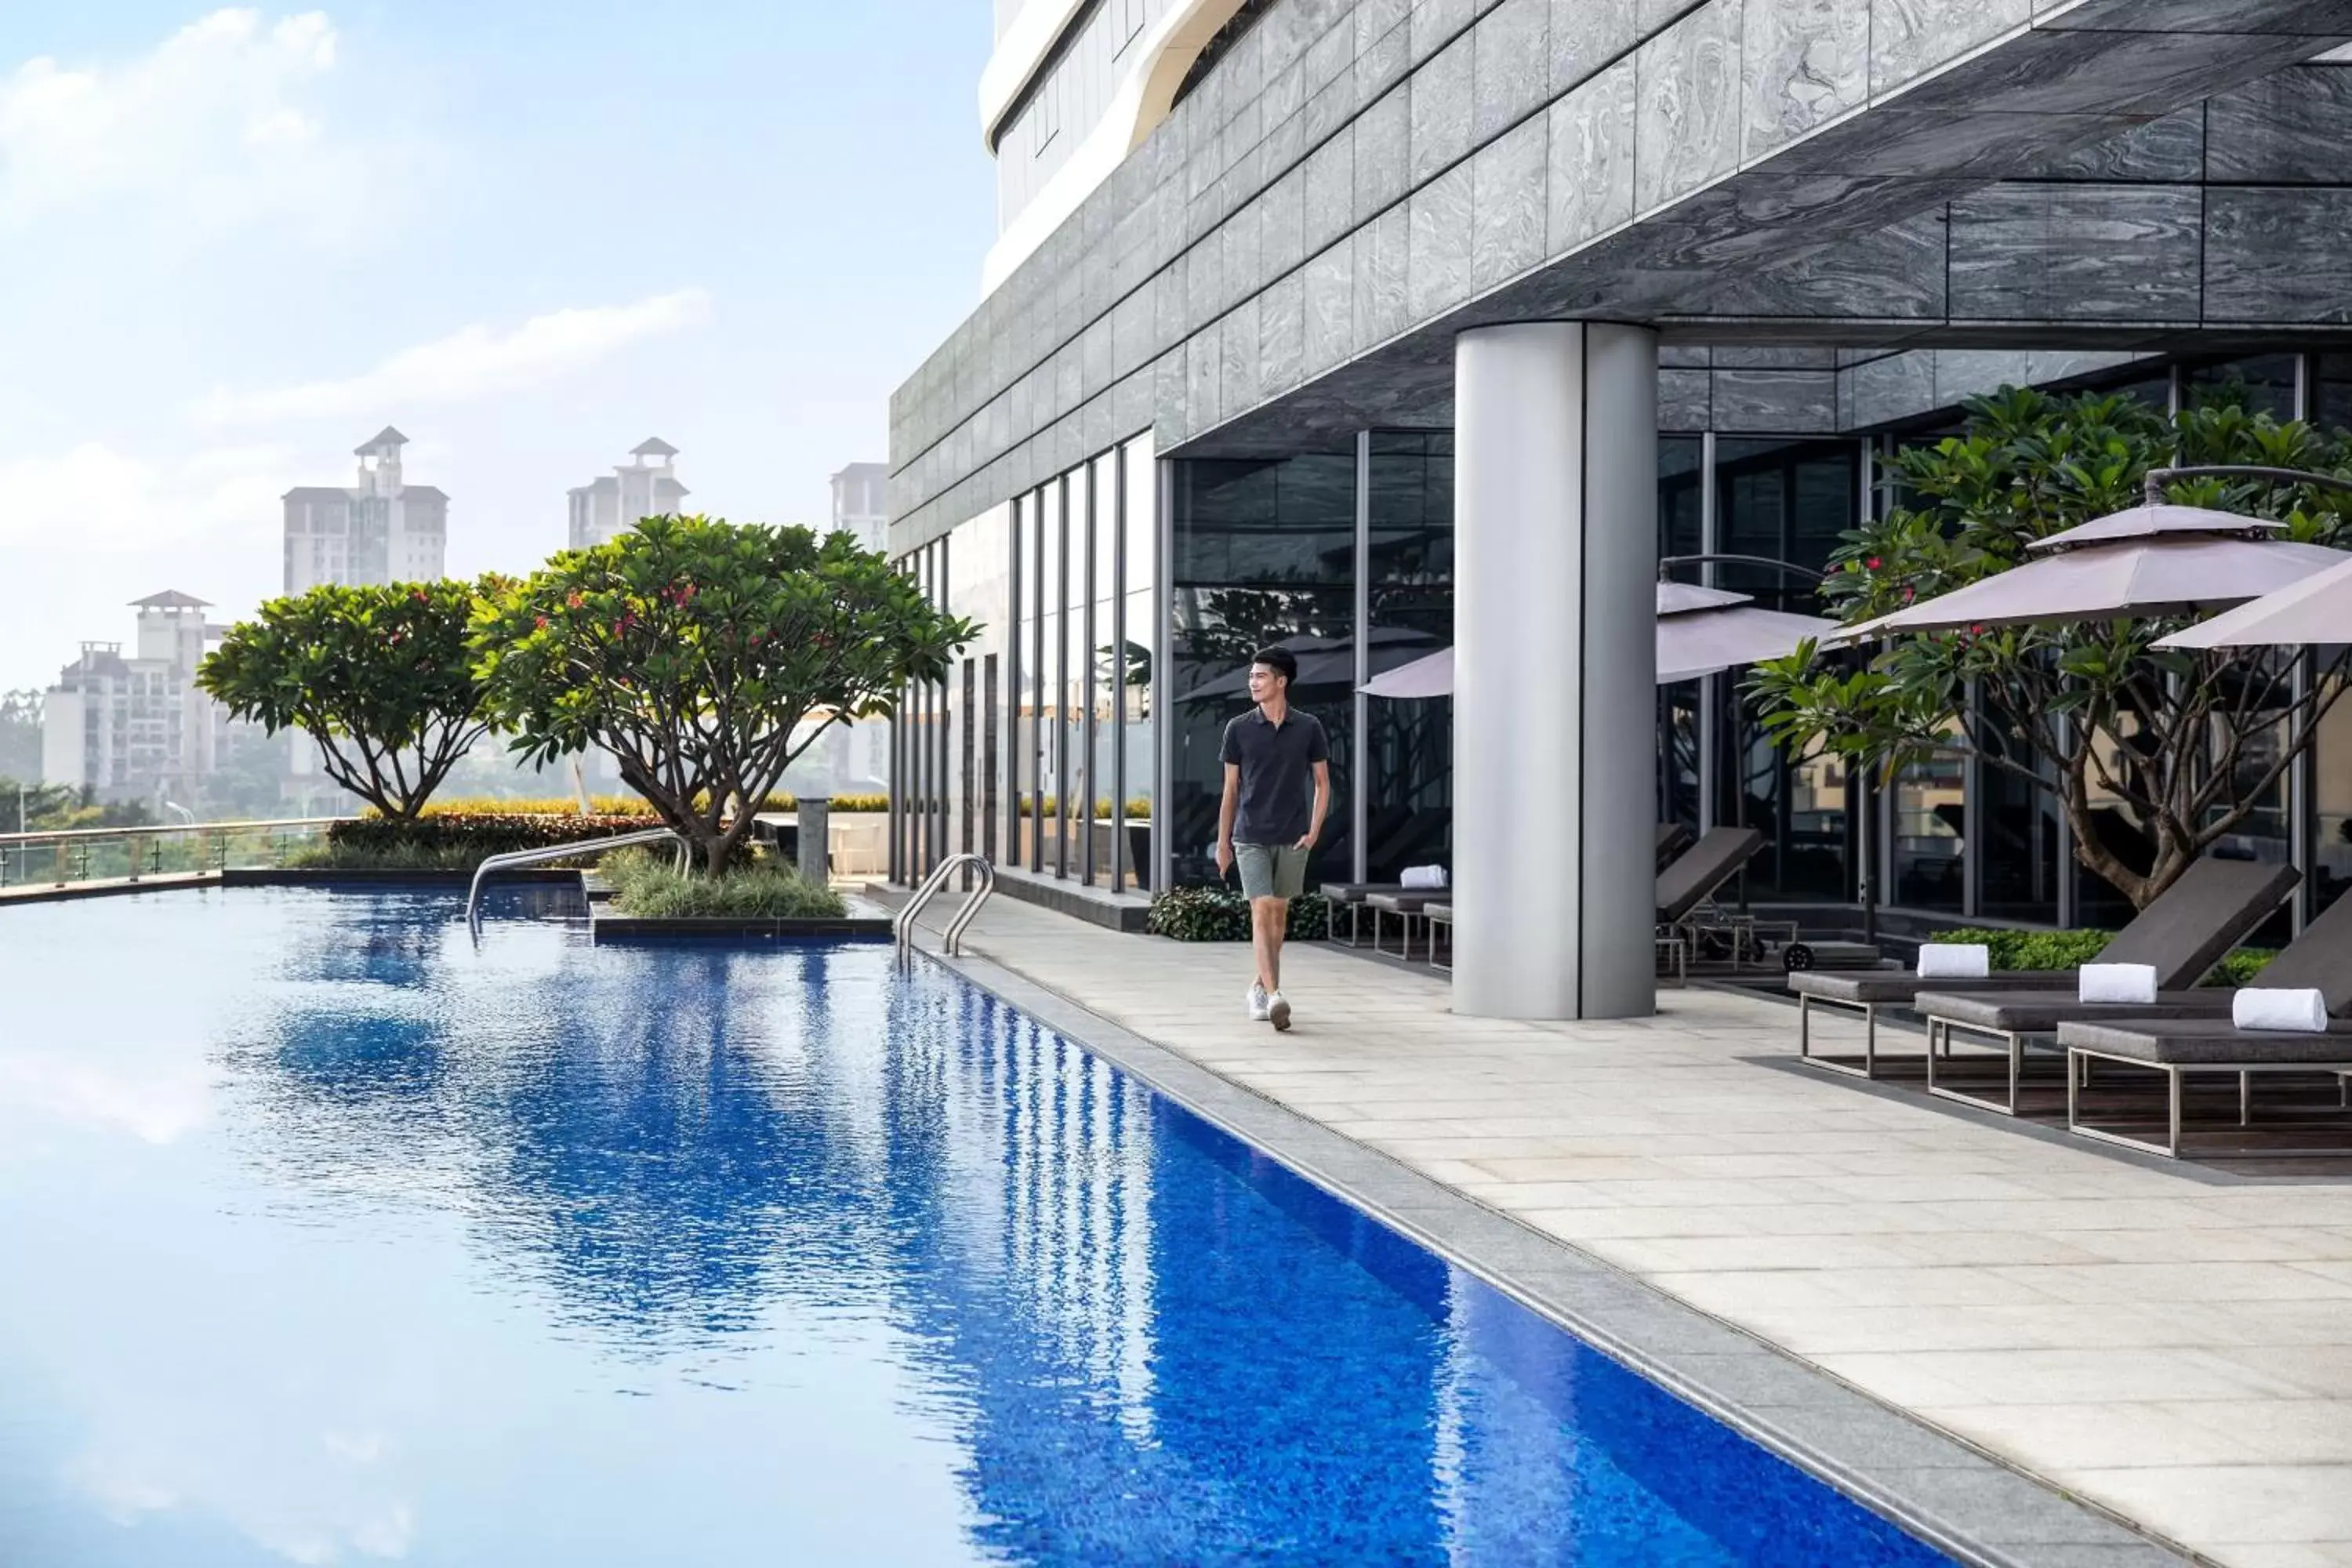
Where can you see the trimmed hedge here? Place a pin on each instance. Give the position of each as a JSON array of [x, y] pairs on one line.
[[2071, 949], [452, 837], [651, 885], [1221, 914]]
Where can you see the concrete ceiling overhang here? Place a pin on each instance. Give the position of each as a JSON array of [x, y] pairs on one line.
[[1833, 206]]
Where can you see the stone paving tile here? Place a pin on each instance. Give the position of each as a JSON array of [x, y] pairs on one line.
[[2173, 1345]]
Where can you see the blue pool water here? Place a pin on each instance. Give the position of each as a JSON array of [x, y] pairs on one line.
[[325, 1238]]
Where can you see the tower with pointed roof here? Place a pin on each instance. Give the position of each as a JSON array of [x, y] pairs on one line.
[[645, 487], [379, 530]]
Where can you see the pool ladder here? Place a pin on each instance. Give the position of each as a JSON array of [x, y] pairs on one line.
[[514, 857], [903, 927]]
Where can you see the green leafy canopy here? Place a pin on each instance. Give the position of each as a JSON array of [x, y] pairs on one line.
[[706, 656], [381, 677]]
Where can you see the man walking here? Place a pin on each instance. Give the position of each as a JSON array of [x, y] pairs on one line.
[[1275, 758]]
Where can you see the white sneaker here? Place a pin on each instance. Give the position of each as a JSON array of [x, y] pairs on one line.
[[1277, 1011], [1258, 1006]]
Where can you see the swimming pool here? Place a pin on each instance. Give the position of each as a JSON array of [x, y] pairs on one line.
[[332, 1238]]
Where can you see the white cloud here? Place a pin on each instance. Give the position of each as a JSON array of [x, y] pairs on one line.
[[472, 363], [92, 497], [214, 125]]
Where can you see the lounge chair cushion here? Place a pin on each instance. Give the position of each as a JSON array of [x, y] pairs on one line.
[[2040, 1012], [1404, 903], [1898, 987], [1703, 869], [2196, 1041], [2319, 960], [1354, 892]]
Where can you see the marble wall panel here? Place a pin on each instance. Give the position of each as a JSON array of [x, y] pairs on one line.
[[1383, 45], [1094, 357], [1282, 334], [1332, 58], [1510, 68], [1438, 268], [1382, 307], [2278, 254], [2168, 150], [1887, 389], [1439, 93], [1329, 191], [1436, 24], [1282, 224], [1970, 372], [1330, 307], [1589, 188], [1204, 366], [1910, 37], [1791, 402], [1683, 402], [1383, 154], [1507, 203], [2287, 129], [1802, 64], [1689, 118], [1238, 340], [2111, 253], [1585, 35]]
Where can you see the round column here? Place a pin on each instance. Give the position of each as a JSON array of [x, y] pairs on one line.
[[1555, 668]]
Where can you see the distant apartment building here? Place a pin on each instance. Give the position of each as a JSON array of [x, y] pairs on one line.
[[645, 488], [859, 504], [136, 728], [382, 530]]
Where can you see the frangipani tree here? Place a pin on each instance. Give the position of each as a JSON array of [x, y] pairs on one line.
[[2189, 744], [381, 677], [694, 650]]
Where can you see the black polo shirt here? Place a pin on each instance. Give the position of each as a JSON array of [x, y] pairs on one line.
[[1277, 765]]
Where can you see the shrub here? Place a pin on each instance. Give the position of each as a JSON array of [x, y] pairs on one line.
[[2243, 967], [548, 806], [2036, 949], [1221, 914], [391, 856], [454, 841], [651, 884], [861, 802]]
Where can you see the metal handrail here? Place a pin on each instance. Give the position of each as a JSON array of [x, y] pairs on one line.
[[903, 927], [165, 829], [515, 857]]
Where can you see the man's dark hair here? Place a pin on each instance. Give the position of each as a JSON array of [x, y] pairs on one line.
[[1280, 660]]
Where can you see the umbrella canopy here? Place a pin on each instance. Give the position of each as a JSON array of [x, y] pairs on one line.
[[1430, 677], [1322, 661], [2316, 612], [1691, 646], [1700, 632], [2144, 562]]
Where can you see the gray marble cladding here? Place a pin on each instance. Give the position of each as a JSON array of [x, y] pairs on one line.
[[1360, 173]]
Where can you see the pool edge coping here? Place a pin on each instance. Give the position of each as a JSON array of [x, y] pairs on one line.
[[1970, 1504]]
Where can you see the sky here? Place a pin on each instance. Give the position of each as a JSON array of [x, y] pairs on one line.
[[237, 242]]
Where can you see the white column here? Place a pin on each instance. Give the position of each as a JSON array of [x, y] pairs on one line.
[[1555, 666]]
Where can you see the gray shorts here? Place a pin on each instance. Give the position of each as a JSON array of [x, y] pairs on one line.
[[1271, 870]]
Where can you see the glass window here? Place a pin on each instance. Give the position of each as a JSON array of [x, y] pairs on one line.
[[2332, 767], [1102, 675], [1783, 500], [1927, 827], [2263, 384], [2016, 845], [1682, 495], [1409, 743], [1264, 554], [1139, 657]]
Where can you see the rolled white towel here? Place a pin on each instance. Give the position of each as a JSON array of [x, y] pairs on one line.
[[2304, 1012], [1423, 879], [1954, 961], [2118, 983]]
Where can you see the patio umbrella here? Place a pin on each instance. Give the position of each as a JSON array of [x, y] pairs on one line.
[[1322, 661], [2159, 560], [1703, 631], [1700, 632], [2317, 611]]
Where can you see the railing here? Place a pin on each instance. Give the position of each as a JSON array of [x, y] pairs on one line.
[[903, 928], [61, 857], [513, 858]]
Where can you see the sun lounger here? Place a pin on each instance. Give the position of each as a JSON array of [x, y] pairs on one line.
[[1440, 915], [1409, 905], [2319, 960], [1350, 897], [1687, 888], [1672, 840], [2182, 935]]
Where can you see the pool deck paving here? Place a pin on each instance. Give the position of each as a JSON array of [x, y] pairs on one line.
[[2170, 1343]]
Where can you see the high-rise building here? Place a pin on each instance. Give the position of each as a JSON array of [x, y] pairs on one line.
[[382, 530], [135, 728], [860, 504], [633, 491]]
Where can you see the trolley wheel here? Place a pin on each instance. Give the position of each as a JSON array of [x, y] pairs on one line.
[[1796, 956]]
